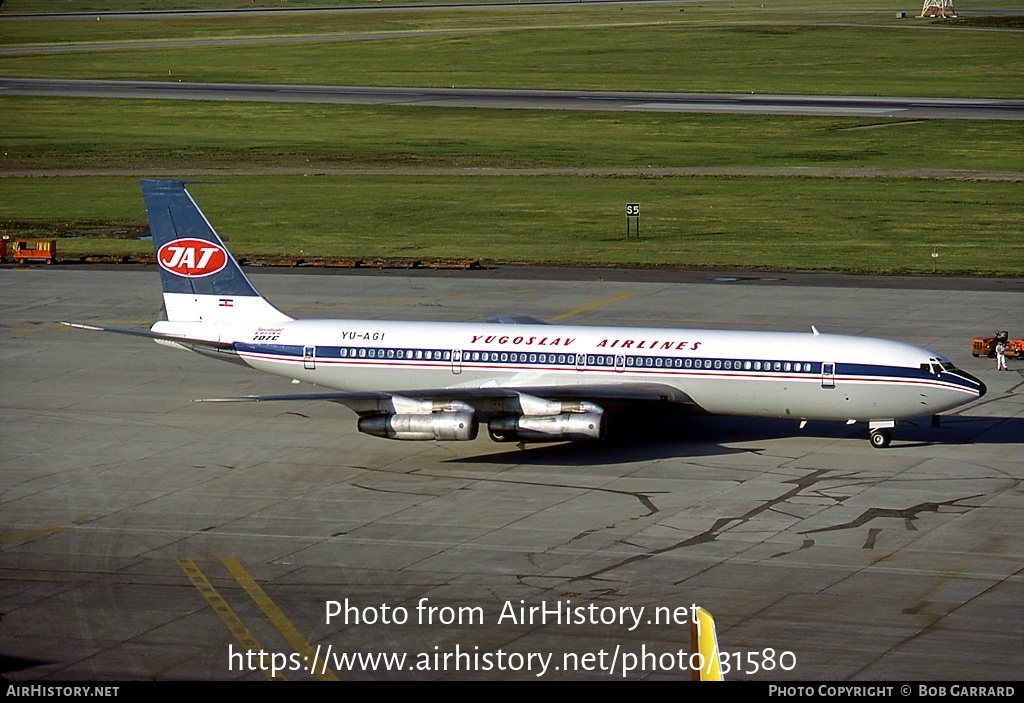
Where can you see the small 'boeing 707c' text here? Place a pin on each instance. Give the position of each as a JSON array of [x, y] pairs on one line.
[[528, 381]]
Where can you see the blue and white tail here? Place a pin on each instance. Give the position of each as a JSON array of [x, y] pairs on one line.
[[202, 282]]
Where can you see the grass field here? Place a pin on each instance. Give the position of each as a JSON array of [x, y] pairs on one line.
[[19, 6], [140, 134], [640, 48], [880, 225], [771, 220]]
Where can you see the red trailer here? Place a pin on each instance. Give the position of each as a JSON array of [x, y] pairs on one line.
[[24, 250]]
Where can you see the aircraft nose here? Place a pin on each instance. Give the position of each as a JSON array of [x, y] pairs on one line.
[[982, 388]]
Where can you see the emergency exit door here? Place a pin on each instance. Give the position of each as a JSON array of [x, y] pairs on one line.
[[828, 375]]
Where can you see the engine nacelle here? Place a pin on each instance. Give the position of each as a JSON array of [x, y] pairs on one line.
[[460, 426], [547, 428]]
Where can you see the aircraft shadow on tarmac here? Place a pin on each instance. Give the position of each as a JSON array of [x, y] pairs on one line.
[[634, 440]]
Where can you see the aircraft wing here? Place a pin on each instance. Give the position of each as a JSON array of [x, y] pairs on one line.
[[484, 400]]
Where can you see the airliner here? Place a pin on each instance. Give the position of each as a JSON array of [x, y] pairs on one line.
[[527, 380]]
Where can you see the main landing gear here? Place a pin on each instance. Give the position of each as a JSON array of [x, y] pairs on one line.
[[880, 438]]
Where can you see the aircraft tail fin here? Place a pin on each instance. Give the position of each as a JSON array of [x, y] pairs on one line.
[[201, 281]]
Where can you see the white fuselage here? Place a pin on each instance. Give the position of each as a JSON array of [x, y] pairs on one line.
[[766, 374]]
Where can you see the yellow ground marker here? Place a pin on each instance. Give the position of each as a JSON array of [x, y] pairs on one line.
[[224, 611], [598, 304], [704, 639], [276, 617], [33, 533]]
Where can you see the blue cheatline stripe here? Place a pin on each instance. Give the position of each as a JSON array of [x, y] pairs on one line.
[[509, 361]]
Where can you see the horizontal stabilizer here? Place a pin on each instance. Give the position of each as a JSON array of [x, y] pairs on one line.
[[190, 341]]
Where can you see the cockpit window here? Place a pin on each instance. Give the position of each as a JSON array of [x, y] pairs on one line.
[[948, 366]]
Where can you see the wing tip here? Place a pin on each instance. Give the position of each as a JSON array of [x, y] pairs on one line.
[[80, 326]]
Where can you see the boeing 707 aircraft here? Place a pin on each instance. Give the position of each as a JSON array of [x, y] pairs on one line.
[[530, 382]]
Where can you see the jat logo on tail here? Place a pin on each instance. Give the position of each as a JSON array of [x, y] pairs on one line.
[[192, 258]]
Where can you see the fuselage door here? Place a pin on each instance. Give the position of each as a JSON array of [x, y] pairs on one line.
[[456, 361], [309, 357], [620, 363], [828, 375], [581, 362]]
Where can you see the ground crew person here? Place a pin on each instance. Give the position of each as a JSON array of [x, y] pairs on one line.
[[1001, 357]]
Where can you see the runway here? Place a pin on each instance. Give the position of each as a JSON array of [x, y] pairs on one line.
[[144, 536], [860, 106]]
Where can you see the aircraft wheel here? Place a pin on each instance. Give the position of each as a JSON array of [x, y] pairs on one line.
[[880, 439]]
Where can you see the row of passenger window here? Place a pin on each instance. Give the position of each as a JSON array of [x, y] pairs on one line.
[[405, 354], [726, 364], [592, 360]]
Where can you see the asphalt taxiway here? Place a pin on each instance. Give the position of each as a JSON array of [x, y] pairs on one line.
[[144, 536], [864, 106]]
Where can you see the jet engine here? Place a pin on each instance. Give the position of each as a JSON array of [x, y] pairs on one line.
[[462, 426], [547, 428]]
